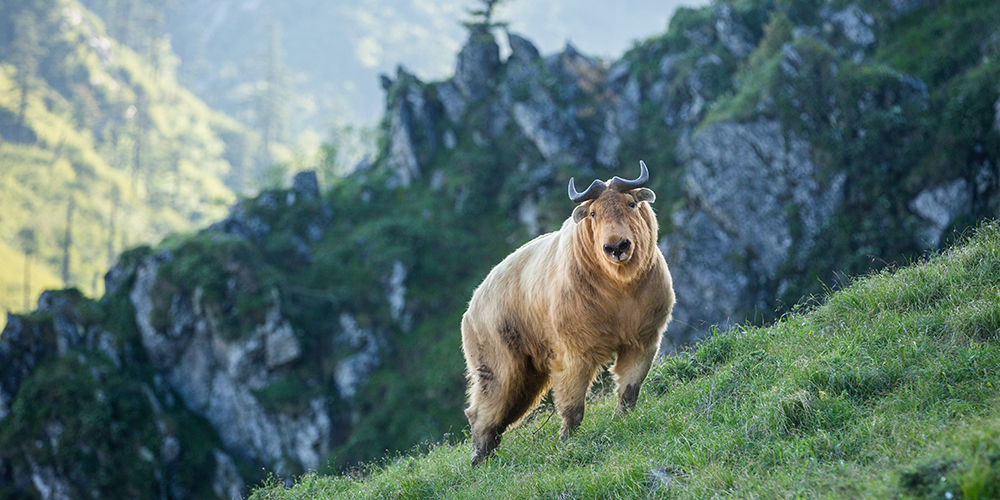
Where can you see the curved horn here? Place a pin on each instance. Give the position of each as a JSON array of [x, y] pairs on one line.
[[622, 185], [596, 188]]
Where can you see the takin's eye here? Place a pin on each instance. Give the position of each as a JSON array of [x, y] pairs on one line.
[[631, 204], [592, 214]]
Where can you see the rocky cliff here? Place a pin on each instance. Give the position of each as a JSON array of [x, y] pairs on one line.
[[789, 144]]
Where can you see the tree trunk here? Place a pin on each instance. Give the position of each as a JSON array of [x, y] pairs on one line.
[[115, 201], [27, 282], [68, 241]]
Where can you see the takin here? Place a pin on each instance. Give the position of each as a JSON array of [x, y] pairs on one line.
[[566, 302]]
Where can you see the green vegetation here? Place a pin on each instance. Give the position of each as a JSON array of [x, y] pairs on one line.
[[914, 109], [95, 413], [100, 148], [887, 389]]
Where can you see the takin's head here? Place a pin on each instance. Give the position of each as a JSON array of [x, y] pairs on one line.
[[617, 218]]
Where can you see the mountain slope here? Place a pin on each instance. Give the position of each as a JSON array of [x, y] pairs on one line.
[[314, 329], [888, 389], [100, 149]]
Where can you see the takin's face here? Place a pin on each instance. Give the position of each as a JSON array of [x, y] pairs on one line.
[[615, 220]]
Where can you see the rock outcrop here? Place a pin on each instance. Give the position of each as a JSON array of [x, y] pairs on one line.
[[216, 375], [98, 395], [754, 202]]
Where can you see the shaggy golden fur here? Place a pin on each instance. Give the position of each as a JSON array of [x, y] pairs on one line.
[[555, 310]]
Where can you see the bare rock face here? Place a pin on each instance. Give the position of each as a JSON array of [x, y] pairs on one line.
[[541, 112], [216, 374], [65, 332], [904, 7], [353, 371], [521, 50], [855, 24], [747, 186], [412, 136], [734, 36], [621, 115], [939, 206], [477, 66], [453, 102], [227, 482]]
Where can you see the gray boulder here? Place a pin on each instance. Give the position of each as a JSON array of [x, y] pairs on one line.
[[855, 24]]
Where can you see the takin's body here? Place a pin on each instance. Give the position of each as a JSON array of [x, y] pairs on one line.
[[555, 310]]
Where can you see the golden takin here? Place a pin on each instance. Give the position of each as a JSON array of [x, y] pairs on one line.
[[566, 302]]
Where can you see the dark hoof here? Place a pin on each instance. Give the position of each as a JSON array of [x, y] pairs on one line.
[[572, 417], [483, 447]]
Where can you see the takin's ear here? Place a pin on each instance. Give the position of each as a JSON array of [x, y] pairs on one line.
[[644, 194], [581, 212]]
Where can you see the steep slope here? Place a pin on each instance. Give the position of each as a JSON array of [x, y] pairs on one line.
[[100, 149], [888, 390]]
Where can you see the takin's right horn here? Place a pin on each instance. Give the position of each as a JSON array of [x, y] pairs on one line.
[[622, 185]]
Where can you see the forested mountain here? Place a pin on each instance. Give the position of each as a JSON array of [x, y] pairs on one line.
[[100, 149], [790, 143]]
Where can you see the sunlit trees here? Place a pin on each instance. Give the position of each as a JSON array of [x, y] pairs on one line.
[[25, 53]]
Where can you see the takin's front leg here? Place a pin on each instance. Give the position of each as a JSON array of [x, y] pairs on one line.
[[630, 370], [570, 383]]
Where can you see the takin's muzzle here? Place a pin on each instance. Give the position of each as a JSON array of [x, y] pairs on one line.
[[618, 251]]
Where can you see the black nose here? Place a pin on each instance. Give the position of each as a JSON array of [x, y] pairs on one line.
[[617, 249]]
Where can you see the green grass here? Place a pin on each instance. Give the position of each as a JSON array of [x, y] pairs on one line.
[[888, 389]]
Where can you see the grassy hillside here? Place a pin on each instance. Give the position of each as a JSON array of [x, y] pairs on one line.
[[888, 389], [101, 142]]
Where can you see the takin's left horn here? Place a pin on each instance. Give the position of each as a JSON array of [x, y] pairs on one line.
[[596, 188]]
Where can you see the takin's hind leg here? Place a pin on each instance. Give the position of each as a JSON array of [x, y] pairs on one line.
[[498, 404]]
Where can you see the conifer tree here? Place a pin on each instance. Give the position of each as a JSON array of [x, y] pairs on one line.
[[482, 17], [25, 53], [68, 241]]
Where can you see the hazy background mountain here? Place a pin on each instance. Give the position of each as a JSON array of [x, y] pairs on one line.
[[334, 51], [325, 57]]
